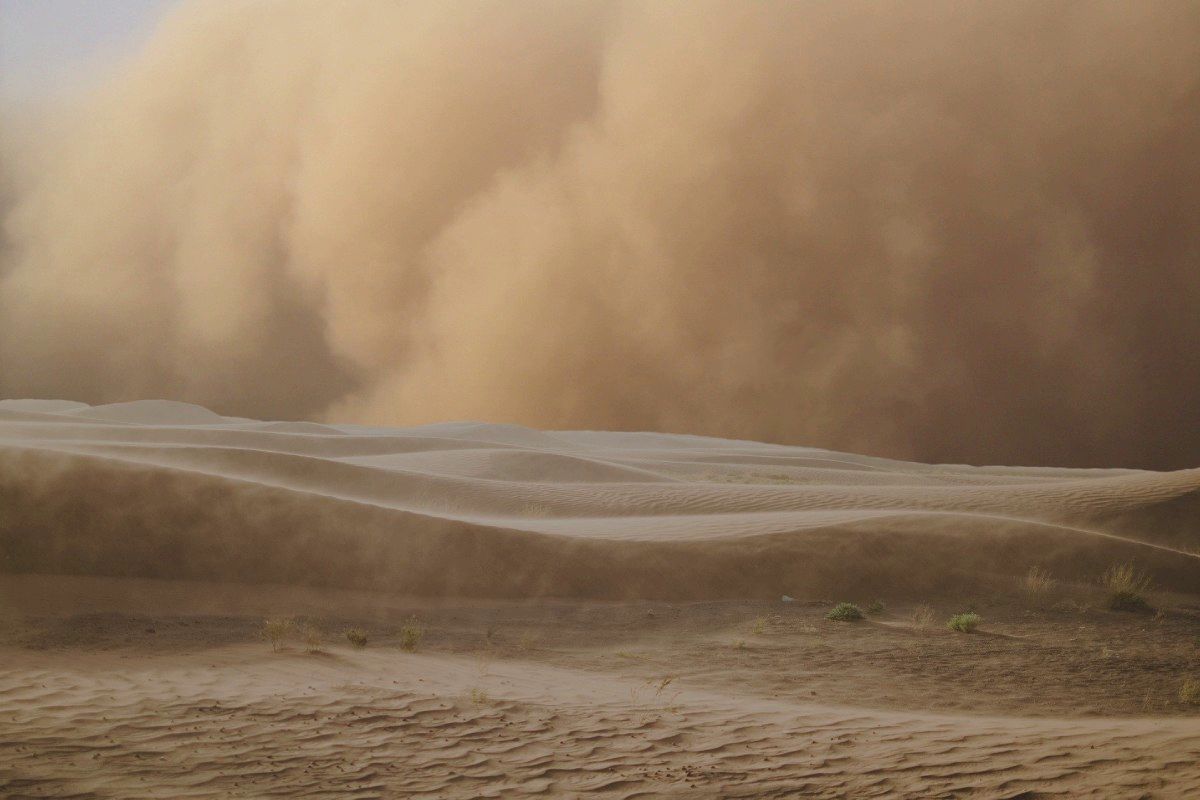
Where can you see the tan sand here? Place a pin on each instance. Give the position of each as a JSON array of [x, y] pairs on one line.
[[601, 616]]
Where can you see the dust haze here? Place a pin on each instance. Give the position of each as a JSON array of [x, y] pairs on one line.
[[936, 231]]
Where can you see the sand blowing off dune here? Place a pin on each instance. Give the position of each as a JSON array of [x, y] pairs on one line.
[[171, 490], [469, 610]]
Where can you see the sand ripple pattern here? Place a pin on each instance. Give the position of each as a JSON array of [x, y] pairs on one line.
[[231, 724]]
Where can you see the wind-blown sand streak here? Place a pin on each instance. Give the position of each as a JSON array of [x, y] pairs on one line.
[[569, 514]]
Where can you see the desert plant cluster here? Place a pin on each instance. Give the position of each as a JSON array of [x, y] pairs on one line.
[[281, 630], [845, 612], [966, 622]]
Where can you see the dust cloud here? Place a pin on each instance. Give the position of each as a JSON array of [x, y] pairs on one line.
[[939, 231]]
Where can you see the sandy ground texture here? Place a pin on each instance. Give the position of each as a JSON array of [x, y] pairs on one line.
[[575, 615]]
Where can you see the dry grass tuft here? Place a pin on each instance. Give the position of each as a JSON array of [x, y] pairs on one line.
[[1190, 692], [276, 630], [923, 616], [312, 639], [357, 637], [411, 635], [1127, 587], [1037, 583]]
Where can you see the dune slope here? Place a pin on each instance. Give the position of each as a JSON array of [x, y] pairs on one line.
[[169, 490]]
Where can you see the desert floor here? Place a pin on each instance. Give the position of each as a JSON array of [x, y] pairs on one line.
[[167, 689]]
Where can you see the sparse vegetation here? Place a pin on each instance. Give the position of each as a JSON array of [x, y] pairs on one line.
[[753, 477], [845, 612], [312, 638], [876, 607], [1037, 582], [760, 626], [1190, 692], [411, 635], [357, 637], [923, 616], [480, 696], [1127, 587], [527, 641], [276, 630], [964, 623], [637, 693]]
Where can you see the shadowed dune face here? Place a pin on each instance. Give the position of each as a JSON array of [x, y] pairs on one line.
[[498, 511], [930, 230]]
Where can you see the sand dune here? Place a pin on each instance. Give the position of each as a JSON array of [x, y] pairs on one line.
[[144, 543], [429, 510]]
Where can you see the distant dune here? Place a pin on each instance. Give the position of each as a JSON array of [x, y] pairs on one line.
[[170, 490]]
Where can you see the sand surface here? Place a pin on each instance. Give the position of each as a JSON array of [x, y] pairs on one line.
[[601, 616]]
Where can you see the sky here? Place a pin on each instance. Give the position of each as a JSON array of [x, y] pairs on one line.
[[45, 44], [933, 230]]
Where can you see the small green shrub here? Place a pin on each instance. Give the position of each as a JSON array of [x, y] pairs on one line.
[[845, 612], [964, 623], [876, 607], [411, 635], [357, 637], [1190, 692], [1127, 587]]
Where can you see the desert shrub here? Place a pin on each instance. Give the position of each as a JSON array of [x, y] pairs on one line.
[[760, 626], [876, 607], [357, 637], [479, 696], [276, 630], [1037, 582], [923, 616], [1190, 692], [411, 635], [1127, 587], [964, 623], [312, 638], [845, 612]]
